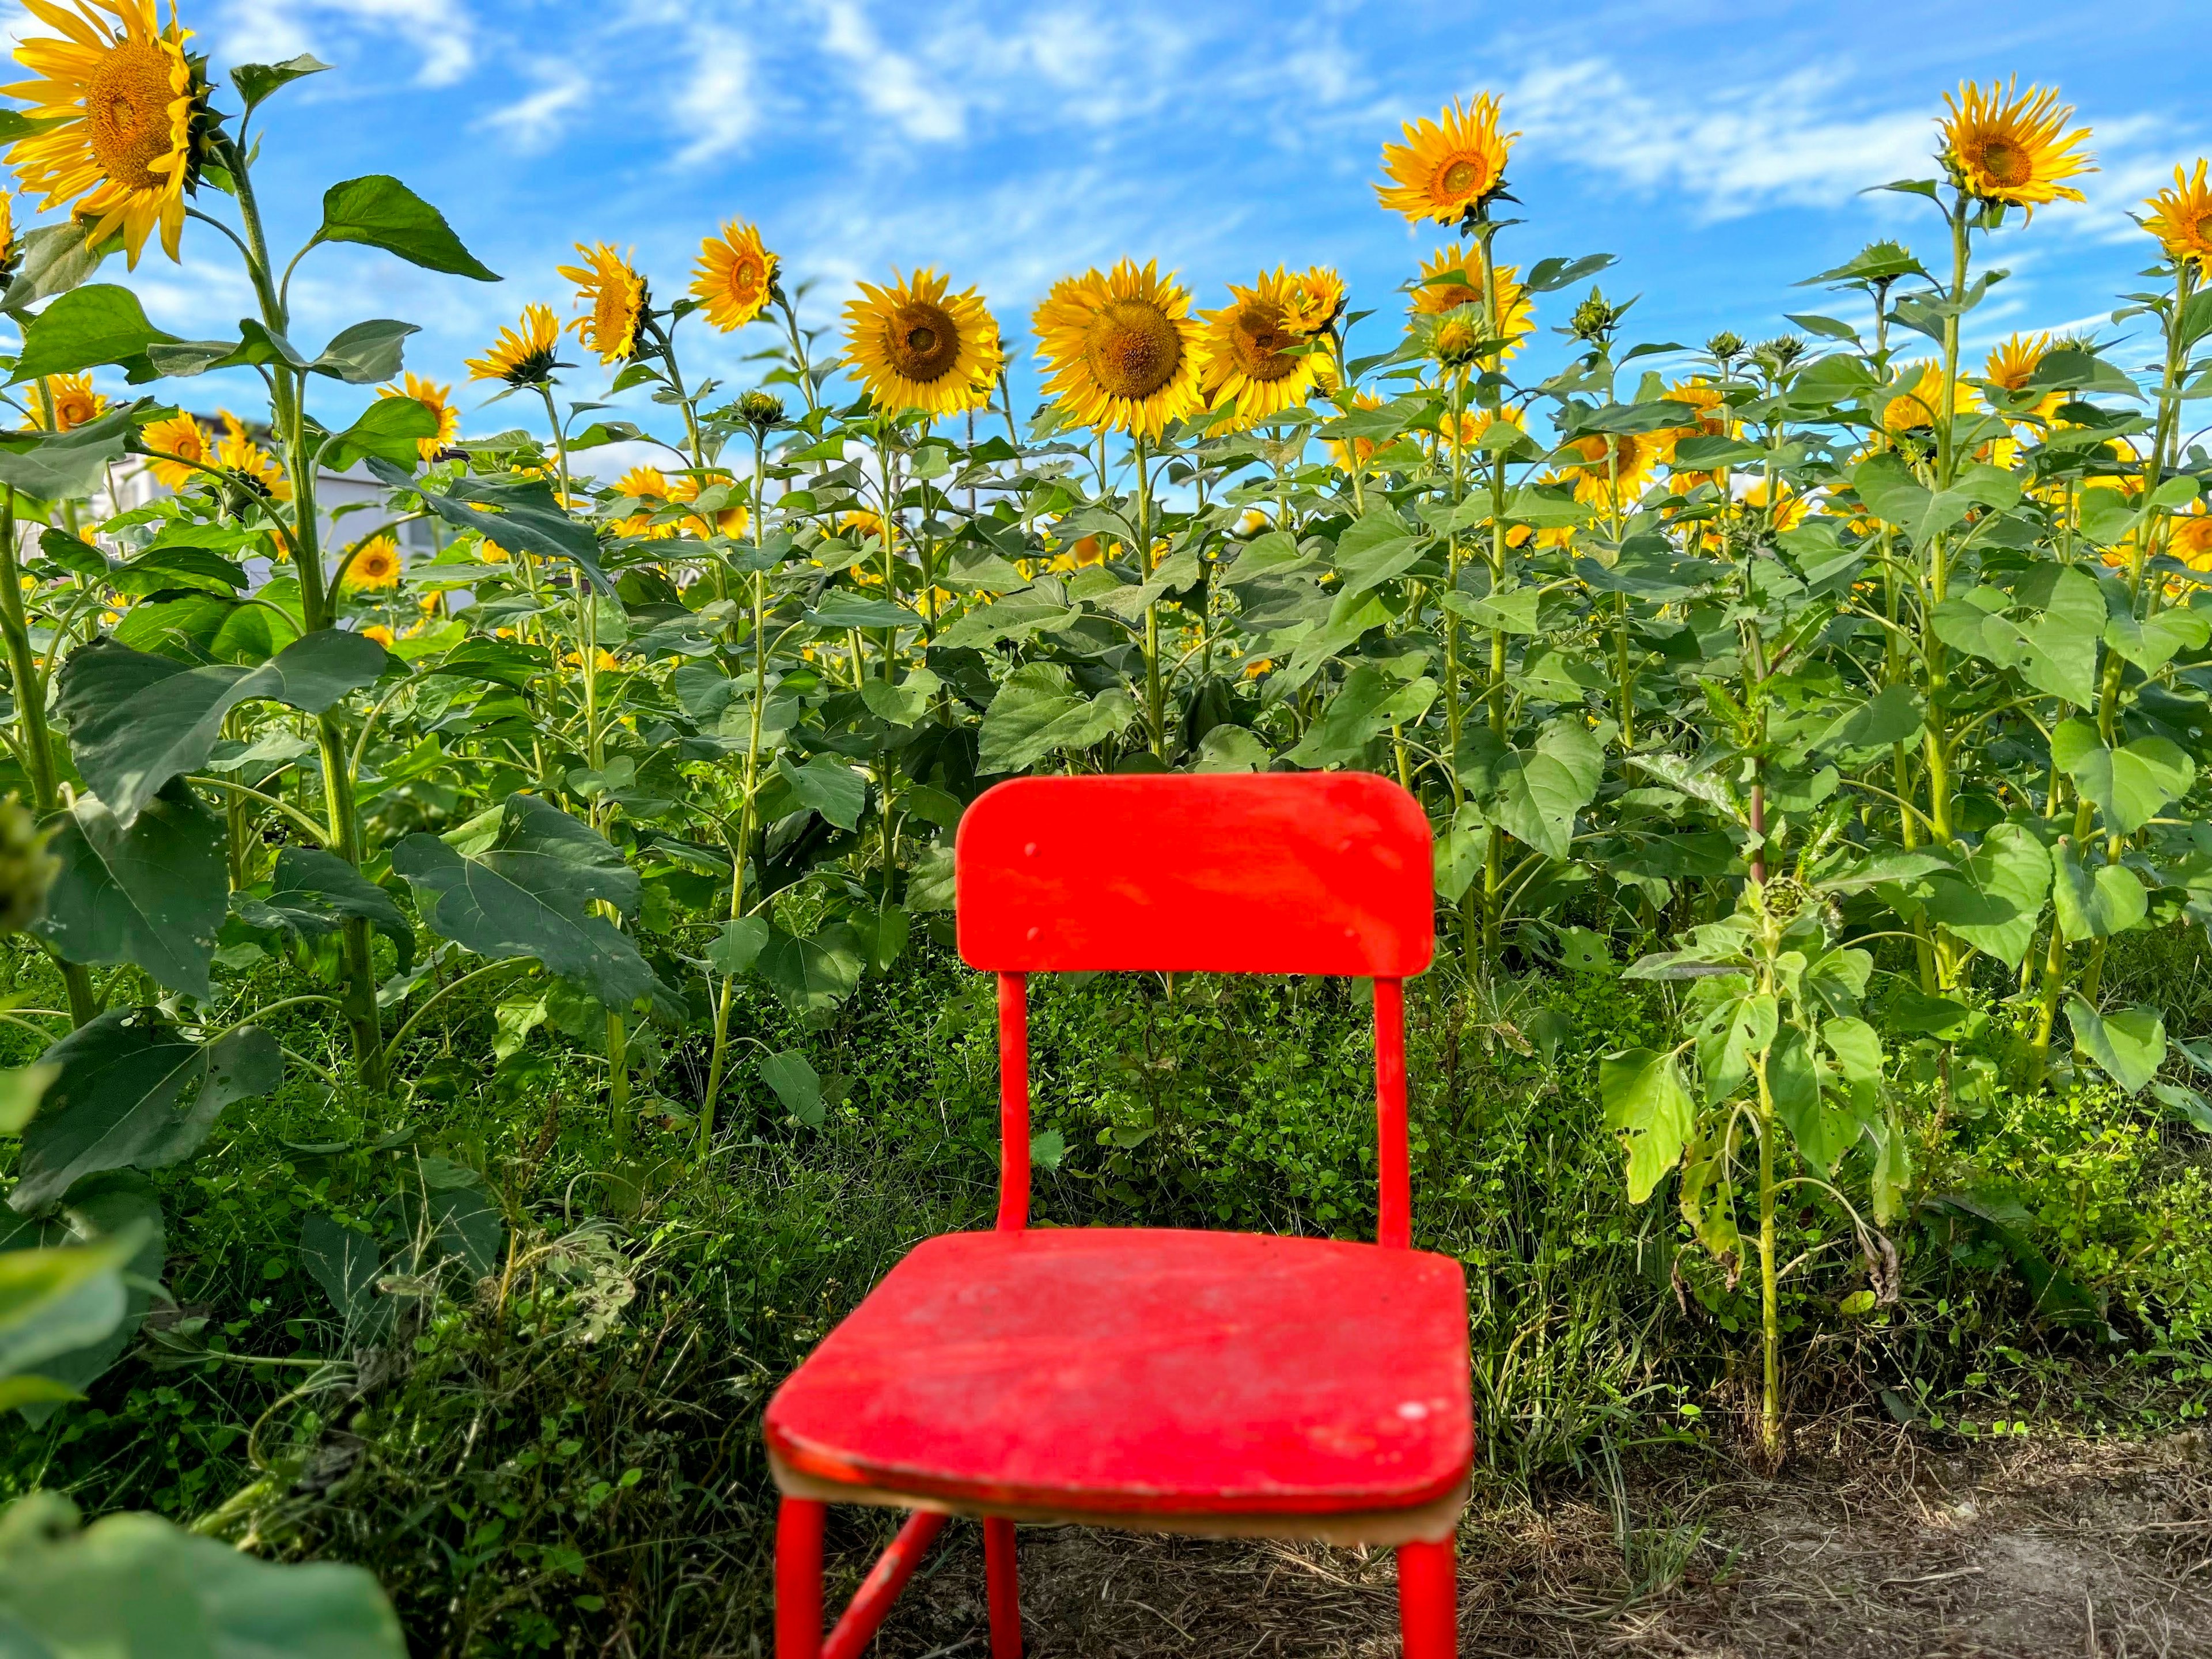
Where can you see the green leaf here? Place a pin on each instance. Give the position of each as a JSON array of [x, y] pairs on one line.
[[345, 1262], [1822, 1129], [134, 1587], [366, 353], [381, 212], [389, 429], [1743, 1031], [1893, 495], [843, 611], [85, 328], [1891, 715], [737, 946], [1535, 795], [152, 893], [120, 1206], [813, 974], [2054, 651], [312, 894], [2128, 1047], [74, 463], [57, 1299], [528, 893], [1038, 710], [255, 81], [1367, 704], [1374, 549], [2096, 904], [1647, 1107], [1992, 901], [2186, 1105], [136, 719], [1230, 748], [134, 1092], [2154, 643], [527, 519], [795, 1085], [1856, 1047], [828, 785], [2129, 785], [56, 258]]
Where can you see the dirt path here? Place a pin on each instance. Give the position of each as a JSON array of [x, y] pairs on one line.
[[2065, 1548]]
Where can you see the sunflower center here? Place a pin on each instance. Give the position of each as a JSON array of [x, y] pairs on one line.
[[745, 278], [126, 111], [923, 341], [1461, 176], [1132, 349], [1258, 340], [2006, 163], [2203, 228], [74, 408]]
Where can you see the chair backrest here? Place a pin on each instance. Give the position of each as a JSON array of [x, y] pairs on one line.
[[1273, 873]]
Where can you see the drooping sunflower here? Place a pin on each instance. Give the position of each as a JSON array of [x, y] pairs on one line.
[[1453, 279], [524, 354], [1121, 350], [735, 277], [182, 436], [1917, 402], [375, 566], [1449, 168], [916, 345], [1250, 369], [2004, 145], [75, 403], [612, 295], [438, 399], [236, 452], [728, 520], [2181, 218], [124, 101]]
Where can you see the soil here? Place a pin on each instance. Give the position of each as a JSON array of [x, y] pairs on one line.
[[1879, 1550]]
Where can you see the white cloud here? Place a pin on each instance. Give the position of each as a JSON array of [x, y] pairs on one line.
[[441, 31], [538, 120], [1733, 150], [888, 81], [718, 106]]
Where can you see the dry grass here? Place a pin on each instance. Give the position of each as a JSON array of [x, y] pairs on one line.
[[1884, 1551]]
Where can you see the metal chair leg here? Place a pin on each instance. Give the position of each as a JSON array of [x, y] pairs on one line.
[[1428, 1599], [798, 1578], [1004, 1591]]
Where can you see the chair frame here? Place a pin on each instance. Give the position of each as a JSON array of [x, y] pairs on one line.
[[1304, 896]]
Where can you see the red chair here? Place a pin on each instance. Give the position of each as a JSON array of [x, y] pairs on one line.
[[1222, 1383]]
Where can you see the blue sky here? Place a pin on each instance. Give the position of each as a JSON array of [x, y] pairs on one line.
[[1718, 149]]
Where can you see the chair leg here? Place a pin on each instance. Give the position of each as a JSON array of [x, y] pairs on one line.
[[798, 1578], [1004, 1591], [1428, 1599]]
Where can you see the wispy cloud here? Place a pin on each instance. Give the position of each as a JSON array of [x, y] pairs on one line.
[[538, 120], [888, 81], [717, 108], [441, 31]]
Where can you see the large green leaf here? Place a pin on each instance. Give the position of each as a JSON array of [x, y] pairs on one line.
[[1038, 710], [2129, 1045], [828, 785], [1823, 1126], [103, 1211], [1992, 900], [1367, 704], [72, 464], [2129, 785], [1739, 1031], [135, 1587], [255, 81], [1649, 1107], [381, 212], [2095, 903], [1891, 715], [528, 893], [391, 429], [151, 894], [133, 1091], [56, 1299], [55, 258], [85, 328], [312, 894], [1534, 795], [136, 719], [2153, 642], [1379, 546], [364, 353], [795, 1084], [525, 516], [813, 974], [2055, 650]]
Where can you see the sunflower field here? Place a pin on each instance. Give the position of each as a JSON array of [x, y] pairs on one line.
[[478, 954]]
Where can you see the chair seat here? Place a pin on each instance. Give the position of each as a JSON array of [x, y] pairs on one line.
[[1142, 1372]]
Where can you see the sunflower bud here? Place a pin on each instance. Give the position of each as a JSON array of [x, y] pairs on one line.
[[1780, 352], [1596, 320], [762, 410], [1725, 348], [26, 869], [1455, 342]]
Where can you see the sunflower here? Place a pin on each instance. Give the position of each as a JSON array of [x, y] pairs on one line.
[[1615, 466], [523, 354], [2014, 360], [235, 452], [1479, 426], [491, 552], [1249, 365], [2188, 537], [437, 400], [735, 277], [613, 296], [1316, 300], [1790, 506], [649, 486], [728, 520], [859, 524], [11, 251], [2003, 145], [1352, 454], [2181, 218], [1449, 168], [185, 438], [1917, 402], [1454, 278], [915, 346], [75, 403], [379, 633], [375, 566], [124, 103], [1121, 349]]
